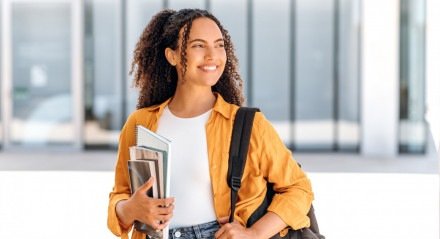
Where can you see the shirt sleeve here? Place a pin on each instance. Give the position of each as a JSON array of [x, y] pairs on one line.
[[121, 188], [293, 193]]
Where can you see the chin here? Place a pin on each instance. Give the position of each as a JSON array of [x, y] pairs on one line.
[[211, 81]]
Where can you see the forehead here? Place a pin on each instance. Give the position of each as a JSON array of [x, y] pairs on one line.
[[205, 28]]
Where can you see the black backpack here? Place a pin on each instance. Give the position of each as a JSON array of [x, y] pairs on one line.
[[241, 134]]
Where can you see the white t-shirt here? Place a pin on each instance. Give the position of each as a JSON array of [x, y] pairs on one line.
[[190, 180]]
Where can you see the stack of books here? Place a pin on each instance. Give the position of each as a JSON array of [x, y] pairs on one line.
[[150, 157]]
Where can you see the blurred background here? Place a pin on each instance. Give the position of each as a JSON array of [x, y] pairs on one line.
[[351, 86]]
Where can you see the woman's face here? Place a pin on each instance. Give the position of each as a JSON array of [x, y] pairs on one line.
[[205, 54]]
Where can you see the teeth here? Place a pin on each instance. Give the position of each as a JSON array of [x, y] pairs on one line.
[[209, 68]]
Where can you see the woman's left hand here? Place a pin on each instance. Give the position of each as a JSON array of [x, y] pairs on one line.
[[234, 230]]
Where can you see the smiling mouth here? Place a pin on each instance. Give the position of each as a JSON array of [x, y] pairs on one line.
[[208, 68]]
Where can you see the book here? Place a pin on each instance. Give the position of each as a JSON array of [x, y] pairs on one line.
[[150, 140], [156, 158], [150, 157], [140, 171]]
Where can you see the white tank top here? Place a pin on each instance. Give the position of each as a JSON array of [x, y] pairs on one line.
[[190, 180]]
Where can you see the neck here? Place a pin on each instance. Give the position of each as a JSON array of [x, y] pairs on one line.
[[188, 103]]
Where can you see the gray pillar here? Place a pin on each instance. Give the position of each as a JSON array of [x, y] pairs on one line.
[[433, 69]]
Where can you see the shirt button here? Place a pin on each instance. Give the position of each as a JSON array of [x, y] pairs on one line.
[[177, 234]]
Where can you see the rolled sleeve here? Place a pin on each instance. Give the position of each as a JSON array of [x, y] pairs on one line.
[[293, 204], [293, 192], [113, 221], [121, 189]]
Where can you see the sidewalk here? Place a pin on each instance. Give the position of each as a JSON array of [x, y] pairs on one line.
[[316, 162], [66, 195]]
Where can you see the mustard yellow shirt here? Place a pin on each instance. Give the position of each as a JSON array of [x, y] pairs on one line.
[[268, 160]]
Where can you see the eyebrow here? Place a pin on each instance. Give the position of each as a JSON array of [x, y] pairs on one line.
[[218, 40]]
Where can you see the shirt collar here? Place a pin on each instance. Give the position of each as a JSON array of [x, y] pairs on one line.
[[220, 106]]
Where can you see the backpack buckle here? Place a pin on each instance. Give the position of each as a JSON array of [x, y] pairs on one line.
[[235, 183]]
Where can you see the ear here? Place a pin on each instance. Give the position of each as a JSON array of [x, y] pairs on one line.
[[170, 54]]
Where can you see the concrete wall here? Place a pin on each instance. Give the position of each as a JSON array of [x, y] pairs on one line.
[[379, 81]]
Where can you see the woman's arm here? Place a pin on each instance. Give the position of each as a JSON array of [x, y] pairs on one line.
[[293, 197], [268, 225], [293, 191], [121, 188]]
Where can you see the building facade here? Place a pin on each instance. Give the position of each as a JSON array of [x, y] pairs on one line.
[[332, 75]]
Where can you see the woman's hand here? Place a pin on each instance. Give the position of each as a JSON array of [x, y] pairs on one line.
[[267, 226], [234, 230], [154, 212]]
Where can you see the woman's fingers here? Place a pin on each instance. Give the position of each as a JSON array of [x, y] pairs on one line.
[[166, 202], [165, 218], [154, 213], [162, 225], [223, 220], [146, 186], [161, 222], [166, 210]]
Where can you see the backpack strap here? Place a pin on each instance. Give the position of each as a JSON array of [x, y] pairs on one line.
[[241, 134]]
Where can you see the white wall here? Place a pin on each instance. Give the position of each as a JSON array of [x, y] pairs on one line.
[[379, 81]]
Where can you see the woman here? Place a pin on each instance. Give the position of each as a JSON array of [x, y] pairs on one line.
[[190, 90]]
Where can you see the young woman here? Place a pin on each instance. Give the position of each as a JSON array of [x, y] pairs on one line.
[[186, 70]]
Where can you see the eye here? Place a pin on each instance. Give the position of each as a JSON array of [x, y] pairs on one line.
[[221, 45], [197, 46]]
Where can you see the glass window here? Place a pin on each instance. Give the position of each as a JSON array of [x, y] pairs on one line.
[[271, 61], [232, 15], [41, 69], [314, 80], [413, 131], [303, 70], [138, 15], [103, 76], [348, 77], [326, 75], [179, 4]]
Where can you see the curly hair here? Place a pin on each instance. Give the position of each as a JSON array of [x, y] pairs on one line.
[[157, 79]]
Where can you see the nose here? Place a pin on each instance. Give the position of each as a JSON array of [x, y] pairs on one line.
[[209, 54]]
